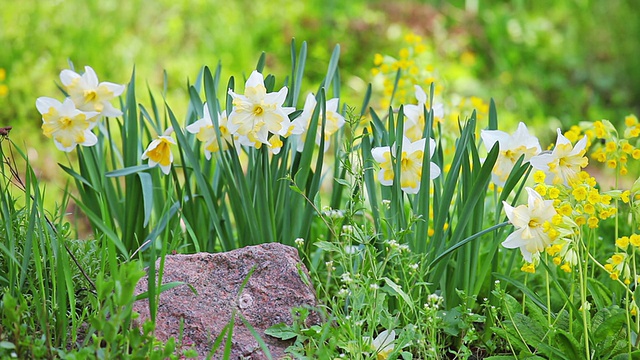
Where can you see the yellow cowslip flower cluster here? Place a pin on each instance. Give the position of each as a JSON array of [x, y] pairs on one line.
[[528, 268], [575, 133], [618, 264], [581, 200], [579, 205], [4, 89], [614, 150], [562, 250], [465, 106], [415, 60]]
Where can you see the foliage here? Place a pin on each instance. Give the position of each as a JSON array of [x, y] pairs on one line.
[[396, 208], [63, 298]]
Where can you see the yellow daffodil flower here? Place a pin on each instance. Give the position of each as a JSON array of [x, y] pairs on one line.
[[89, 94], [67, 125], [512, 147], [300, 126], [205, 132], [564, 163], [410, 164], [159, 152], [529, 222], [257, 114]]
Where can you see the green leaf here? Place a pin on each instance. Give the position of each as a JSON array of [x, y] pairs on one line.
[[608, 322], [76, 176], [600, 293], [635, 355], [530, 294], [261, 62], [98, 221], [147, 196], [398, 290], [281, 331], [531, 331], [463, 242], [263, 345], [332, 68], [7, 345], [552, 352], [163, 288], [327, 246], [126, 171], [568, 344], [493, 115], [511, 336]]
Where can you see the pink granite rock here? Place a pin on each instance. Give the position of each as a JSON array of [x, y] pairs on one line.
[[272, 290]]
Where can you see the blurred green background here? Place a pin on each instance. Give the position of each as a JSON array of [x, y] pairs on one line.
[[547, 63]]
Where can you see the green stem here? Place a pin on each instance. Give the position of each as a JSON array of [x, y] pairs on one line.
[[583, 298], [524, 295], [546, 258]]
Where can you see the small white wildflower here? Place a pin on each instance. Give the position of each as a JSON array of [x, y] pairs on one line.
[[351, 249], [329, 265], [386, 203], [414, 267], [392, 243], [343, 292], [346, 278], [299, 242], [404, 248], [374, 287], [347, 229]]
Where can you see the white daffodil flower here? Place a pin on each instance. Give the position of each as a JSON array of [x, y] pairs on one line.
[[205, 132], [511, 148], [67, 125], [564, 163], [410, 164], [301, 125], [89, 94], [383, 344], [414, 115], [257, 114], [528, 220], [159, 151]]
